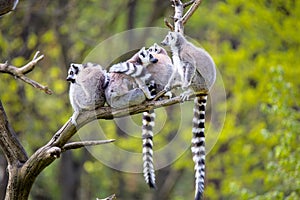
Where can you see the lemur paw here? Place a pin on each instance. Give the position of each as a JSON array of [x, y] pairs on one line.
[[167, 88], [168, 94], [74, 117], [73, 121], [184, 87], [185, 96]]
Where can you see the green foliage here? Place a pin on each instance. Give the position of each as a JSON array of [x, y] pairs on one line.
[[255, 45]]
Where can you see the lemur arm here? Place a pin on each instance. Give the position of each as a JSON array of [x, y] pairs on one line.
[[144, 88], [177, 66], [189, 72]]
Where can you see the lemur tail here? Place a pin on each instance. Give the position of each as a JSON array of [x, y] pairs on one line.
[[147, 135], [198, 144]]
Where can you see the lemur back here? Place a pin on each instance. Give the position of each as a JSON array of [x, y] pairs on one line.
[[198, 74], [86, 88], [122, 91]]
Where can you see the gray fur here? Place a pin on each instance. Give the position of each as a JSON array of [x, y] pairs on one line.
[[86, 88], [122, 91], [136, 68], [197, 67], [197, 70]]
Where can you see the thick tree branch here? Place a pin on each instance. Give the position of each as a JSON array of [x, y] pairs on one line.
[[77, 145], [52, 150], [20, 72], [10, 145]]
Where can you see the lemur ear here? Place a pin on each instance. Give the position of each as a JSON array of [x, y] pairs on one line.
[[73, 65]]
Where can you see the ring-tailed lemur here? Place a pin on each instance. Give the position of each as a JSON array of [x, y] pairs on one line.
[[198, 73], [137, 70], [87, 83], [161, 72], [154, 63]]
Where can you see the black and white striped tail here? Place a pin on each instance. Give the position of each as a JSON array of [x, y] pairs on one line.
[[147, 135], [133, 70], [198, 144]]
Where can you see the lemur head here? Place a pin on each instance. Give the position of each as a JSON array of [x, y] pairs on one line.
[[171, 39], [145, 57], [73, 72], [155, 48]]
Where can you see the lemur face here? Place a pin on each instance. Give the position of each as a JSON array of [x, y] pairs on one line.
[[170, 39], [155, 48], [146, 57], [73, 72]]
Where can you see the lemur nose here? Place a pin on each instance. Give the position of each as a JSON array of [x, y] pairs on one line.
[[163, 43], [153, 60]]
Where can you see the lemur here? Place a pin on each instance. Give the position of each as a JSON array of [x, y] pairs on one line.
[[198, 73], [87, 83], [135, 68], [160, 71]]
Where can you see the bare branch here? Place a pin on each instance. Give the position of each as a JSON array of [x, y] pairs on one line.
[[191, 11], [168, 24], [178, 9], [20, 72], [111, 197], [188, 3], [76, 145], [9, 143], [180, 19]]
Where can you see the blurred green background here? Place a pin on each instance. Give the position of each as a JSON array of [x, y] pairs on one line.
[[256, 47]]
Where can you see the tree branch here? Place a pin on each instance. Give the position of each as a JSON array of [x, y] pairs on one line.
[[111, 197], [76, 145], [20, 72], [188, 3], [180, 21], [168, 24], [9, 143], [191, 11], [178, 12]]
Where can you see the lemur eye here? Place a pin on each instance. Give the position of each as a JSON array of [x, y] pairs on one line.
[[142, 54], [71, 73]]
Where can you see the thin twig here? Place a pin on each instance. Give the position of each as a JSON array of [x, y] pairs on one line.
[[111, 197], [20, 72], [76, 145], [30, 66], [191, 11], [168, 24], [188, 3]]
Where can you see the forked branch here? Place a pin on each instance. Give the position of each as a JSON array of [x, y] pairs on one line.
[[191, 11], [20, 72], [179, 17]]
